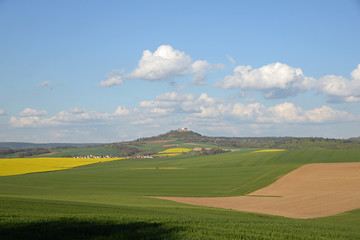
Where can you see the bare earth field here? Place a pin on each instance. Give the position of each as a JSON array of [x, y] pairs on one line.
[[311, 191]]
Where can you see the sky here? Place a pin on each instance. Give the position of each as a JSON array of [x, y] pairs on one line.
[[110, 71]]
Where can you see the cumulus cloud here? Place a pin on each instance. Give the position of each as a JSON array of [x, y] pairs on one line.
[[275, 80], [199, 69], [112, 79], [328, 114], [122, 111], [200, 112], [278, 80], [204, 106], [34, 118], [28, 112], [165, 63], [289, 113], [2, 112], [341, 89], [24, 121]]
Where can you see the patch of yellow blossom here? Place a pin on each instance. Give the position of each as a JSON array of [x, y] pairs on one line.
[[16, 166]]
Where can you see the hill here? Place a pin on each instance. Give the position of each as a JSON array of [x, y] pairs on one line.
[[181, 138]]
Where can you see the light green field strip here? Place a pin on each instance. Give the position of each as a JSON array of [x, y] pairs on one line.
[[157, 168]]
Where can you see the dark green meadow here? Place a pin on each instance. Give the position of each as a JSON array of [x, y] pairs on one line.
[[109, 200]]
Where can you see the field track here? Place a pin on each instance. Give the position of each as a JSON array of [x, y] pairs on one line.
[[311, 191]]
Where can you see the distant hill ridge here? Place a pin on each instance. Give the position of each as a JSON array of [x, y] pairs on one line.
[[185, 135]]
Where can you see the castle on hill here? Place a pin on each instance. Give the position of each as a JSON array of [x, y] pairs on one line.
[[182, 130]]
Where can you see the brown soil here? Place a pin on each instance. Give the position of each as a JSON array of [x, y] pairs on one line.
[[311, 191], [199, 149], [190, 143], [170, 145]]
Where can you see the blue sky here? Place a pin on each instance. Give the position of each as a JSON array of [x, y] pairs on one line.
[[107, 71]]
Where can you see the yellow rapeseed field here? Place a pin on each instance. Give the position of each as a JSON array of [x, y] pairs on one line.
[[270, 150], [16, 166], [176, 150], [173, 152]]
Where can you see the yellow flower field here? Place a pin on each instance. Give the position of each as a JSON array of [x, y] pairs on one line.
[[173, 152], [16, 166], [270, 150], [176, 150]]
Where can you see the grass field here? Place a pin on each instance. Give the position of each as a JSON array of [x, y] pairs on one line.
[[108, 201]]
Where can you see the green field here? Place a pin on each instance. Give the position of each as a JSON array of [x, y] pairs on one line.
[[108, 200]]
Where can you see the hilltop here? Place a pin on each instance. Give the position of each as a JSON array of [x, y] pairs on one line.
[[181, 134]]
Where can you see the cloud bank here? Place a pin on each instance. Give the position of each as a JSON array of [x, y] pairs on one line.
[[192, 106], [278, 80]]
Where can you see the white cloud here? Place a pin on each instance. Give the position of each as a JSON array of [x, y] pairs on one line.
[[167, 100], [328, 114], [278, 80], [77, 110], [43, 84], [286, 112], [143, 121], [33, 118], [341, 89], [166, 63], [203, 106], [2, 112], [275, 80], [122, 111], [198, 112], [174, 96], [32, 112], [24, 121], [289, 113], [250, 112], [232, 60], [161, 111], [112, 81], [199, 68]]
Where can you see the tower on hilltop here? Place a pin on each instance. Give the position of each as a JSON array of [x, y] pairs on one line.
[[182, 130]]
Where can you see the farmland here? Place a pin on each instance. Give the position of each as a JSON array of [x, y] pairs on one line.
[[16, 166], [112, 200]]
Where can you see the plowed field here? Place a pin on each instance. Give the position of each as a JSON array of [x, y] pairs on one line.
[[311, 191]]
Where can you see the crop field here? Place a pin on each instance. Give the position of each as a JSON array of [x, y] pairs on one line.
[[113, 200], [173, 152], [15, 166]]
